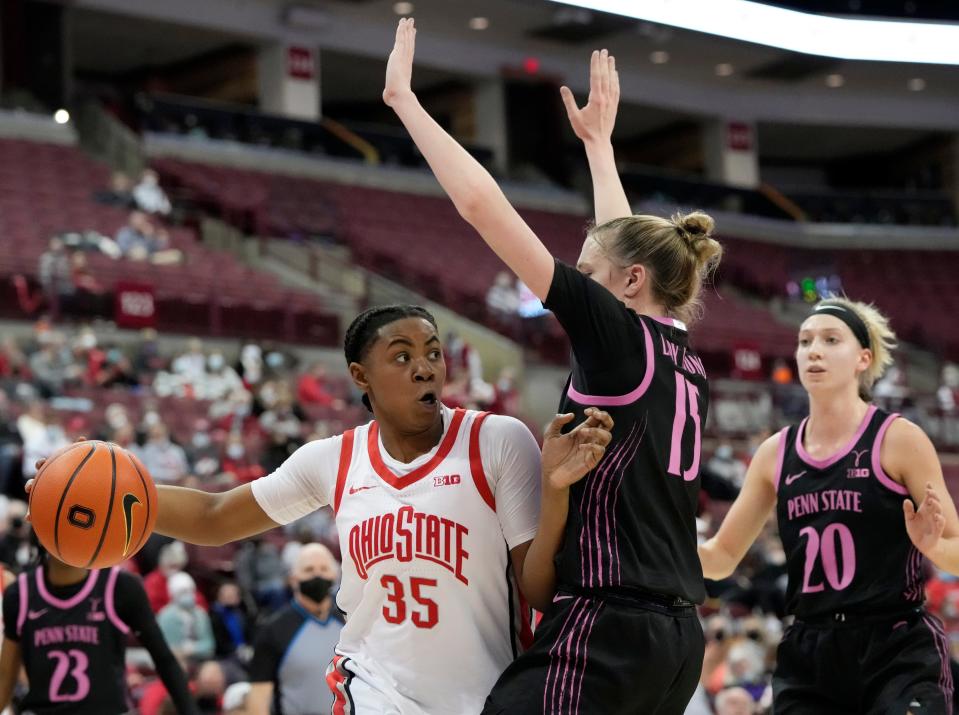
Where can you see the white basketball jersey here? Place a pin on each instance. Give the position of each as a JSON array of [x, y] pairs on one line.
[[433, 613]]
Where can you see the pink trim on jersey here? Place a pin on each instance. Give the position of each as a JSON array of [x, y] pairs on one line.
[[70, 602], [569, 657], [829, 461], [780, 456], [346, 456], [22, 613], [398, 482], [629, 397], [942, 648], [884, 479], [108, 602], [476, 462]]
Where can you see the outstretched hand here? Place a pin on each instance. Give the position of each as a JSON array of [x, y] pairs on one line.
[[925, 524], [399, 67], [569, 457], [595, 121]]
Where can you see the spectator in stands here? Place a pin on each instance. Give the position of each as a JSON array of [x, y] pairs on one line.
[[203, 454], [208, 687], [260, 571], [141, 240], [119, 194], [229, 621], [250, 365], [948, 393], [13, 361], [282, 419], [735, 701], [89, 295], [191, 365], [173, 559], [289, 646], [55, 276], [42, 440], [237, 462], [165, 460], [51, 365], [148, 360], [502, 299], [313, 388], [219, 379], [149, 195], [185, 626], [725, 465], [11, 447], [117, 370]]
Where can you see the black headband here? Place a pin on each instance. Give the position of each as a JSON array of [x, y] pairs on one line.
[[849, 317]]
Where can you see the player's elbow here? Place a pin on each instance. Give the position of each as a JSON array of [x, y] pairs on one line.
[[475, 201]]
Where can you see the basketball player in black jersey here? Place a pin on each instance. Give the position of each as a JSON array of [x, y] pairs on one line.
[[621, 635], [68, 628], [845, 483]]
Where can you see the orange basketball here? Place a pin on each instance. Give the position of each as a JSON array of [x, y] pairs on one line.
[[93, 504]]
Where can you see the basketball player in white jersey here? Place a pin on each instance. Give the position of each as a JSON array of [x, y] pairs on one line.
[[444, 518]]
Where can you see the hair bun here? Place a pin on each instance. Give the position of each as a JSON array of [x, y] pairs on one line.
[[694, 225]]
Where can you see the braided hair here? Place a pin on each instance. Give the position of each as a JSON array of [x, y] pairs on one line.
[[362, 331]]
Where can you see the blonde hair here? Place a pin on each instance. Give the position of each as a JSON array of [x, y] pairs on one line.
[[679, 253], [882, 341]]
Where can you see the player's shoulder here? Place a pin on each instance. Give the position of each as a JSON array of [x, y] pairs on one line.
[[498, 430]]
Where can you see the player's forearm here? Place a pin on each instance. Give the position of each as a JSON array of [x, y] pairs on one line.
[[477, 197], [207, 519], [945, 555], [609, 196], [539, 569], [717, 562]]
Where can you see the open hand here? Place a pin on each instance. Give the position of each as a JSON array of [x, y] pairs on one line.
[[569, 457], [925, 524], [595, 121], [399, 68]]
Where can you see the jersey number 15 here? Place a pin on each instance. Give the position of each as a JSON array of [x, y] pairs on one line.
[[686, 392]]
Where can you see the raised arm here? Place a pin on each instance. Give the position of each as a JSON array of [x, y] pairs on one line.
[[474, 192], [721, 554], [593, 124]]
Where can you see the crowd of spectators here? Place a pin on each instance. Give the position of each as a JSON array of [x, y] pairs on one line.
[[213, 418]]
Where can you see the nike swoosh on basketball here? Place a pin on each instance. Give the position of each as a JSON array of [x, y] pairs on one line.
[[793, 477], [128, 501], [36, 614], [354, 490]]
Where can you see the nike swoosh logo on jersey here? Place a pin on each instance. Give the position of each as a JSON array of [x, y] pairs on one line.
[[36, 614], [354, 490], [561, 598], [793, 477], [128, 501]]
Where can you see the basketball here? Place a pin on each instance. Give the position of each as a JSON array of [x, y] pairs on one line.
[[93, 504]]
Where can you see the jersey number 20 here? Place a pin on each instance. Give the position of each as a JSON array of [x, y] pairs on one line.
[[827, 548]]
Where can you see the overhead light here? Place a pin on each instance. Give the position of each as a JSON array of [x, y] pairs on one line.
[[724, 69], [845, 38], [659, 57], [479, 23], [403, 8], [916, 84], [61, 116], [835, 80]]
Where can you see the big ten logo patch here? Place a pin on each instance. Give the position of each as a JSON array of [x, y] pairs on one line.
[[447, 480], [857, 472]]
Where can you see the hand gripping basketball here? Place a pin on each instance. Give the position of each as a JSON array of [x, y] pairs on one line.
[[92, 504]]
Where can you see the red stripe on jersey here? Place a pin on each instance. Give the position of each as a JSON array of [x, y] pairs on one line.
[[398, 482], [476, 462], [525, 627], [346, 455], [335, 680]]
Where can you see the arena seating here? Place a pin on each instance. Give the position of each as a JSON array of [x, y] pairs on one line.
[[46, 189]]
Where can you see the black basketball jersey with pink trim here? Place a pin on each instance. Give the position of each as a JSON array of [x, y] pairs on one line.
[[842, 527], [632, 520], [72, 648]]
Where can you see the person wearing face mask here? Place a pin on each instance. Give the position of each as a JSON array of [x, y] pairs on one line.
[[291, 646], [184, 624]]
